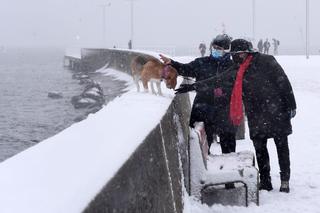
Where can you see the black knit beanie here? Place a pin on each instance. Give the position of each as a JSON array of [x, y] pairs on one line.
[[241, 45]]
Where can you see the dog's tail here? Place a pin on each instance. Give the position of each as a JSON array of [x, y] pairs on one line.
[[136, 65]]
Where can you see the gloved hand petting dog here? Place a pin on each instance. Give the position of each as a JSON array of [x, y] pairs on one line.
[[185, 88]]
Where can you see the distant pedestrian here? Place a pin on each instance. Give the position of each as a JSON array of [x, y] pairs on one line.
[[202, 49], [130, 44], [276, 44], [260, 46], [266, 46]]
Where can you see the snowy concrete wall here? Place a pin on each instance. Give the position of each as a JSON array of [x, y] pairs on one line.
[[93, 59], [152, 179]]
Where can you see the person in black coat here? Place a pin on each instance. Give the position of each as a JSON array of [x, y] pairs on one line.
[[269, 104], [211, 106]]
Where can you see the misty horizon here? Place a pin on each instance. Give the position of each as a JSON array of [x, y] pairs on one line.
[[178, 23]]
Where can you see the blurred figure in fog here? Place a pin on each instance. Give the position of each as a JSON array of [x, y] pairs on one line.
[[266, 46], [276, 44], [202, 48], [130, 44], [260, 46]]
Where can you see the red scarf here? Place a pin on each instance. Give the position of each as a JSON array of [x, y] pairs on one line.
[[236, 111]]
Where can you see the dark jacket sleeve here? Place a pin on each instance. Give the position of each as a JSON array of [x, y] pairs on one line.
[[188, 70], [225, 78], [283, 83], [205, 85]]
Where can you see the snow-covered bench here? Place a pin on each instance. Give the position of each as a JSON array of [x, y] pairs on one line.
[[210, 171]]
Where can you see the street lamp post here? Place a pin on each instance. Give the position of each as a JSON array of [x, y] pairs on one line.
[[131, 21], [131, 9], [307, 29]]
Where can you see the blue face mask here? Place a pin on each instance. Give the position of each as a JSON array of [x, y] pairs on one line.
[[217, 53]]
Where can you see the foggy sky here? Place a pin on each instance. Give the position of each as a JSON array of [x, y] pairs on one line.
[[67, 23]]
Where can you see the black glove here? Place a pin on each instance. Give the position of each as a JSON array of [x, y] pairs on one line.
[[292, 113], [184, 88]]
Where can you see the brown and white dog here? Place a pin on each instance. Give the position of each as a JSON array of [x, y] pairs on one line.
[[147, 68]]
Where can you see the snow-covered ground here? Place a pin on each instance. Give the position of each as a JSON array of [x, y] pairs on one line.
[[63, 173]]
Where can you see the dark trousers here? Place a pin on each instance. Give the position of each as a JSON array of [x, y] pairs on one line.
[[209, 132], [227, 142], [260, 145]]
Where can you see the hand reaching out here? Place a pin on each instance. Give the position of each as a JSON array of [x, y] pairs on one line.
[[165, 59]]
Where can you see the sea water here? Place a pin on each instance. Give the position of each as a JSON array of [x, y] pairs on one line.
[[27, 114]]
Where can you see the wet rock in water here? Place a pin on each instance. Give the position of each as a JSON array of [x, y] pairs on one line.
[[83, 76], [80, 75], [92, 97], [81, 102], [86, 81], [76, 75], [55, 95]]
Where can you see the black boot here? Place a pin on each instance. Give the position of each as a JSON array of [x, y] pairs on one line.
[[284, 187], [265, 184]]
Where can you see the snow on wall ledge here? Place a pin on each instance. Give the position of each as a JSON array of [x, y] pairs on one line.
[[124, 156], [151, 179]]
